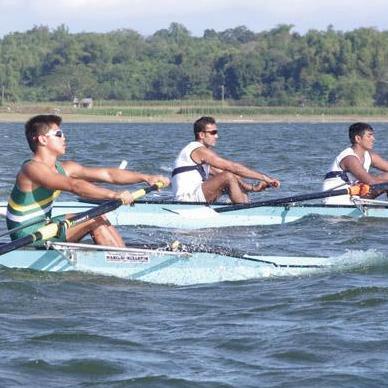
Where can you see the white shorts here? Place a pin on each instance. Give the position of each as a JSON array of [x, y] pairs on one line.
[[195, 196], [338, 200], [335, 184]]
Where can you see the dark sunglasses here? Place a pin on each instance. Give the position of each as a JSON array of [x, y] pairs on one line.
[[57, 133], [213, 132]]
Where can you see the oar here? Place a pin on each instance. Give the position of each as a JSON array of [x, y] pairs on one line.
[[13, 230], [353, 190], [49, 231]]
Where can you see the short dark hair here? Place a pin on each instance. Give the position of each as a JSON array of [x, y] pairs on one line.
[[39, 125], [200, 124], [358, 129]]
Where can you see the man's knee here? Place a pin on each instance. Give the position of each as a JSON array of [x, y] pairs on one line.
[[229, 177], [101, 221]]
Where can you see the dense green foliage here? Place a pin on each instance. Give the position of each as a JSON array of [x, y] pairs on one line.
[[277, 67]]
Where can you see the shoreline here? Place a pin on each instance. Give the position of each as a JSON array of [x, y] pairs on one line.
[[266, 118]]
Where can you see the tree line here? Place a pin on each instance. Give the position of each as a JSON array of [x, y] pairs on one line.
[[278, 67]]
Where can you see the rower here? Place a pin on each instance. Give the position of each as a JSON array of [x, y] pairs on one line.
[[41, 179], [352, 165], [201, 175]]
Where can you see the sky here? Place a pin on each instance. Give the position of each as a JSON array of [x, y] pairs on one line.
[[149, 16]]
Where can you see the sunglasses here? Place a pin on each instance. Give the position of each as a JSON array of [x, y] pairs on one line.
[[213, 132], [57, 133]]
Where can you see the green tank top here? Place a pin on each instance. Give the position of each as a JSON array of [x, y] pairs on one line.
[[25, 208]]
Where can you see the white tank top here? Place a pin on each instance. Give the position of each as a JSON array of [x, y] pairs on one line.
[[337, 176], [188, 181]]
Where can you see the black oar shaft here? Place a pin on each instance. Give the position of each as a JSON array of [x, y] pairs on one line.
[[106, 207], [94, 212], [296, 198], [379, 187], [13, 230], [285, 200], [45, 232], [51, 230]]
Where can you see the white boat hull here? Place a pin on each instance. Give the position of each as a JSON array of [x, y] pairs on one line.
[[161, 266], [192, 216]]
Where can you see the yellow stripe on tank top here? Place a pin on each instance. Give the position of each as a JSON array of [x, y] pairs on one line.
[[37, 205]]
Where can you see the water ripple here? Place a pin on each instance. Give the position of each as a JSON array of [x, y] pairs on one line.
[[325, 329]]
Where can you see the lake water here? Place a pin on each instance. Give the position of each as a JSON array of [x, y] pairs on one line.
[[325, 329]]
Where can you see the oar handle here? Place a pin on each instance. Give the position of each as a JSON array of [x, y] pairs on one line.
[[142, 192]]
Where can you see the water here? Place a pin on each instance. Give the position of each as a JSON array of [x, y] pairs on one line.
[[326, 329]]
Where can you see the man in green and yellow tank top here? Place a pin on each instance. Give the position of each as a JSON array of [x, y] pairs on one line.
[[42, 178]]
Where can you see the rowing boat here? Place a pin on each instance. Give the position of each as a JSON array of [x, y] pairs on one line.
[[160, 265], [169, 214], [185, 266]]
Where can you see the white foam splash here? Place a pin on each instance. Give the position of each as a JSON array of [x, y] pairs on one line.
[[360, 259]]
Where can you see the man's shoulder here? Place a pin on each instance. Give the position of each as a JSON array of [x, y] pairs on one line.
[[346, 154], [350, 162], [194, 144], [29, 164], [347, 151], [66, 162]]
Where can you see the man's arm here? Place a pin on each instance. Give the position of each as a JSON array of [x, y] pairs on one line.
[[379, 163], [111, 175], [353, 165], [36, 174], [205, 155]]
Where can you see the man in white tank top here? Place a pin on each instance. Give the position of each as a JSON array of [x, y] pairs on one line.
[[200, 175], [352, 164]]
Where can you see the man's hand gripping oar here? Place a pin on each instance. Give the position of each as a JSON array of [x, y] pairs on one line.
[[51, 230]]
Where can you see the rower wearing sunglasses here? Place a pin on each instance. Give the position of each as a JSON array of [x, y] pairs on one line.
[[42, 178], [200, 175]]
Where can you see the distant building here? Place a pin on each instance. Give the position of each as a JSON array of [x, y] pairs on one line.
[[83, 103], [86, 103]]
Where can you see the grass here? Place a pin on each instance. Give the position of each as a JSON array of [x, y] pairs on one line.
[[189, 110]]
